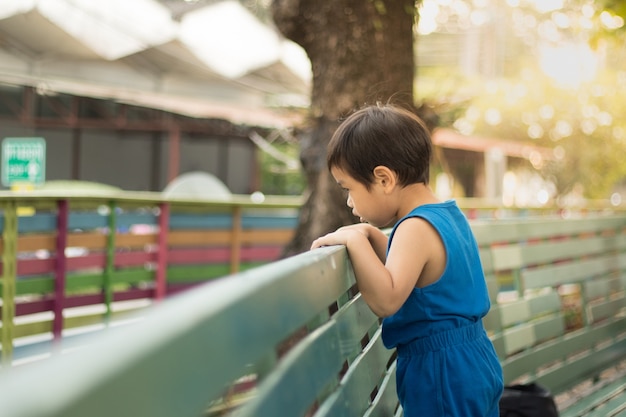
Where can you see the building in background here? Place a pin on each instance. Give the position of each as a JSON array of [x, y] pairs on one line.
[[134, 93]]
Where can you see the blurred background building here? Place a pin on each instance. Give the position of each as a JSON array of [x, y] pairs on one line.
[[133, 93]]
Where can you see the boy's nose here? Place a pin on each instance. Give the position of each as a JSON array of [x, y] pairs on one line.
[[349, 202]]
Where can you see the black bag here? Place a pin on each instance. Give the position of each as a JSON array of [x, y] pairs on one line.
[[527, 400]]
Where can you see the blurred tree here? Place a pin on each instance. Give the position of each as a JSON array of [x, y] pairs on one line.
[[563, 88], [582, 125], [361, 51], [280, 170]]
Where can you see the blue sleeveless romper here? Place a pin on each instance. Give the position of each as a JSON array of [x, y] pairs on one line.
[[446, 364]]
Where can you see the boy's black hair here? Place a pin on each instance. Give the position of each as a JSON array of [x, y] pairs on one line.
[[382, 134]]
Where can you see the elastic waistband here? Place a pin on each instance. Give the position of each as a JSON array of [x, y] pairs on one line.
[[444, 339]]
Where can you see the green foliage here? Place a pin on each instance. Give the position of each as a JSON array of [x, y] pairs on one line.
[[578, 116], [277, 178], [617, 7]]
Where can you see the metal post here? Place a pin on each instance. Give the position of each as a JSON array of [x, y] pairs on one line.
[[160, 288], [235, 241], [110, 260], [61, 268], [9, 273]]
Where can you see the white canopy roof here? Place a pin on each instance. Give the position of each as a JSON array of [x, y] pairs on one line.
[[218, 60]]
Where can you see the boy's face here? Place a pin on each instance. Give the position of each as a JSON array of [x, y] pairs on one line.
[[369, 205]]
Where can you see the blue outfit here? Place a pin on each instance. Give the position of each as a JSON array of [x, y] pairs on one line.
[[447, 366]]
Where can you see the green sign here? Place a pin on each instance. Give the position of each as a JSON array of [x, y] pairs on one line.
[[23, 161]]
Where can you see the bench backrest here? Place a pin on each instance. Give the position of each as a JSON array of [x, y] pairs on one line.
[[566, 288], [295, 330], [295, 338]]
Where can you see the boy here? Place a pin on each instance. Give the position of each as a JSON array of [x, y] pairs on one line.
[[426, 279]]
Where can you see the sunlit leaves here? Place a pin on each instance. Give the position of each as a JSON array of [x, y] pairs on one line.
[[563, 88]]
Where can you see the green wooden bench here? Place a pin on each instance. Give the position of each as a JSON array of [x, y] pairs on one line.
[[563, 325], [294, 338], [291, 338]]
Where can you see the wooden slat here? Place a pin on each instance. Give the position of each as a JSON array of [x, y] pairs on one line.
[[303, 373], [585, 365], [486, 260], [33, 307], [514, 312], [35, 285], [571, 272], [614, 406], [198, 255], [363, 376], [558, 350], [35, 266], [131, 241], [601, 287], [89, 261], [87, 220], [564, 249], [80, 282], [602, 310], [222, 254], [186, 273], [132, 276], [288, 220], [493, 287], [87, 240], [386, 401], [518, 338], [584, 406], [355, 320], [74, 322], [487, 232], [134, 258], [34, 328], [82, 300], [181, 221], [492, 321], [40, 222], [32, 243], [200, 238], [547, 227], [545, 303], [265, 237], [127, 219], [549, 328], [83, 320], [506, 257]]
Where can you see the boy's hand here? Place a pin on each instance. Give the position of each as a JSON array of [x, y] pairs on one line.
[[342, 236]]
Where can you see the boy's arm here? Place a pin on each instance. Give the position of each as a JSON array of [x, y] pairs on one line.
[[384, 286], [379, 241]]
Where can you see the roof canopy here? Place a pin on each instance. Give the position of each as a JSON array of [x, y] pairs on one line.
[[218, 60]]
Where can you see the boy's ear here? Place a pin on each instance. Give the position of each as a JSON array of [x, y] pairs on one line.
[[384, 176]]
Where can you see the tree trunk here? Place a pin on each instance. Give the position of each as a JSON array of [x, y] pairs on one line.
[[361, 52]]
